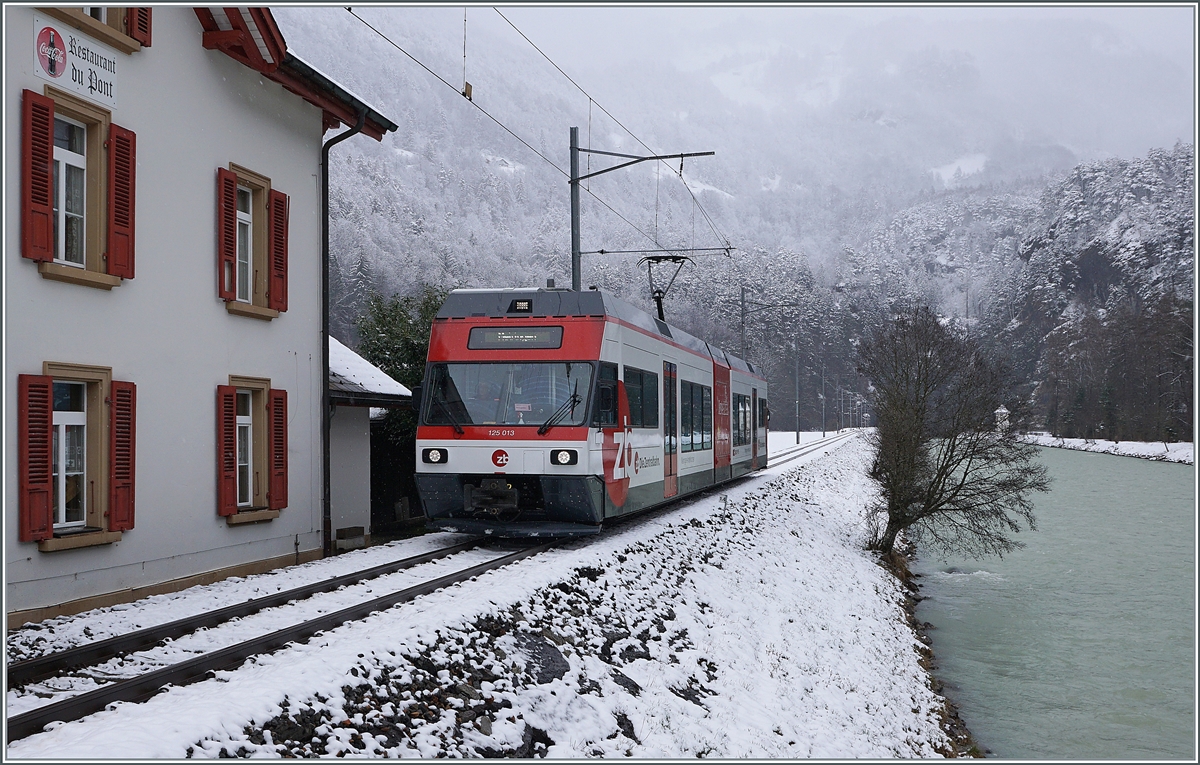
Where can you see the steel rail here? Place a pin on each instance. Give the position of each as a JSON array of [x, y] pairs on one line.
[[806, 449], [145, 686], [32, 670]]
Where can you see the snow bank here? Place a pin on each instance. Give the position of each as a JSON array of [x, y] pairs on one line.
[[1147, 450], [745, 625]]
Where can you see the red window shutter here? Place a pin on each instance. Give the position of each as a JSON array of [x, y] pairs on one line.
[[226, 234], [137, 25], [277, 250], [122, 165], [37, 177], [277, 449], [121, 434], [226, 450], [35, 435]]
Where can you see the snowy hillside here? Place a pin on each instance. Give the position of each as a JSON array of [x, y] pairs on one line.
[[863, 164]]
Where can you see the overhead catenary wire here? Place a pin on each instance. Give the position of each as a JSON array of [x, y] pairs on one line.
[[711, 224], [502, 126]]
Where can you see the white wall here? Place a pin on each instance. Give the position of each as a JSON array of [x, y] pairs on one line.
[[350, 467], [193, 110]]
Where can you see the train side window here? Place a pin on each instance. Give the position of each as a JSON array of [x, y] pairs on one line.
[[649, 400], [633, 391], [685, 416], [706, 425], [606, 397], [741, 419]]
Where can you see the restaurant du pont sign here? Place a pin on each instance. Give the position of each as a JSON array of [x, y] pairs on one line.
[[74, 62]]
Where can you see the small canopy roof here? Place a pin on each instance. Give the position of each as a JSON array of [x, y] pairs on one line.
[[354, 381]]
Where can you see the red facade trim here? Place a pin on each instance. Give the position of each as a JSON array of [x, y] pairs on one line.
[[122, 453], [277, 449], [277, 250], [238, 44], [226, 450], [35, 435], [226, 234], [37, 168], [122, 168]]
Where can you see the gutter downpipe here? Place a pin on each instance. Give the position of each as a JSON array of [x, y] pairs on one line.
[[326, 499]]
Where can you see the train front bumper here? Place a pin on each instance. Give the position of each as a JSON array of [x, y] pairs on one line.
[[513, 504]]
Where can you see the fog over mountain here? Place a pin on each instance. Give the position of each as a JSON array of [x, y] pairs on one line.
[[865, 157]]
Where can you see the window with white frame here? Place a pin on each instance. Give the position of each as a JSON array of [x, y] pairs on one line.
[[245, 449], [252, 221], [99, 14], [69, 454], [245, 246], [70, 191]]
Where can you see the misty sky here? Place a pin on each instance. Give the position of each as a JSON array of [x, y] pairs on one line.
[[1102, 81]]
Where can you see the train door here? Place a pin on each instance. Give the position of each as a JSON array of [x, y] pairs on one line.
[[764, 425], [754, 428], [721, 424], [670, 429]]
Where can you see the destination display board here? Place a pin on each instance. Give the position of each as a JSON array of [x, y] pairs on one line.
[[495, 338]]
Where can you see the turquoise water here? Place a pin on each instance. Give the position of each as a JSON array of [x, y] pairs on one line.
[[1082, 644]]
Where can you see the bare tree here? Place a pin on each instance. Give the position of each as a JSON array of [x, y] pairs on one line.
[[948, 473]]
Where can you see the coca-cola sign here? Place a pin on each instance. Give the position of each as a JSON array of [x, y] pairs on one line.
[[75, 62], [51, 54]]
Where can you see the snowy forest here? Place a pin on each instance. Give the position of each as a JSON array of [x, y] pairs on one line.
[[894, 172]]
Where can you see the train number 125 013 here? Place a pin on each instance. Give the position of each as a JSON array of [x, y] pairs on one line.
[[493, 433]]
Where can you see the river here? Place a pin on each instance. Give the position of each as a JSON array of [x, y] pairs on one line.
[[1080, 645]]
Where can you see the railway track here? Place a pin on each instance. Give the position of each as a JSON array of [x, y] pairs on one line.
[[800, 450], [147, 684], [140, 687]]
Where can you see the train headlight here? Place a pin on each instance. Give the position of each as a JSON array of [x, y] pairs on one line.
[[435, 456], [564, 457]]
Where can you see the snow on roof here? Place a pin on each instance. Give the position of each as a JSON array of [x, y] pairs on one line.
[[332, 84], [352, 373]]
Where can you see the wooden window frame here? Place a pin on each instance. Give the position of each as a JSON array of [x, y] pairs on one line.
[[99, 387], [97, 120], [257, 510], [111, 31], [260, 189]]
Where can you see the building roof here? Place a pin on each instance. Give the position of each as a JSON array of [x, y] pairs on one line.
[[251, 37], [354, 381]]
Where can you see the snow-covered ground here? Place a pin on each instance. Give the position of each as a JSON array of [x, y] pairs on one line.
[[1149, 450], [747, 624]]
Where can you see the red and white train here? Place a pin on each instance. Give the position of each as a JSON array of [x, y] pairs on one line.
[[546, 412]]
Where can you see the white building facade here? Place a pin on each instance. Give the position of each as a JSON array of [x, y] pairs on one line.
[[163, 337]]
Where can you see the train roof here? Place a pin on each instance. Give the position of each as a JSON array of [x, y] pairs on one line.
[[553, 303]]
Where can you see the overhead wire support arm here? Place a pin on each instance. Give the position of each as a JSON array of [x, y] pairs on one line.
[[635, 159], [725, 250], [573, 182]]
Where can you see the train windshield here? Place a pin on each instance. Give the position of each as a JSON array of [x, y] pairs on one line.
[[530, 393]]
